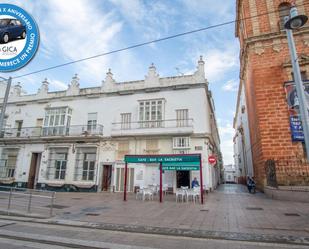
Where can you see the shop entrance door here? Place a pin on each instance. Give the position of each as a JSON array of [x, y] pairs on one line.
[[183, 178]]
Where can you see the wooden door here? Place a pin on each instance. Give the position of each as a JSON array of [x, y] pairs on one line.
[[107, 177], [33, 170]]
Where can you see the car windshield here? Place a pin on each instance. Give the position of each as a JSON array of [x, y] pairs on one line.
[[4, 21]]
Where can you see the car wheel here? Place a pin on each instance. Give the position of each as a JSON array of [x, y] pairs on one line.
[[23, 35], [5, 38]]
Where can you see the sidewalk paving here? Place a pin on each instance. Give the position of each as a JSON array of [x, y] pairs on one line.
[[229, 213], [228, 209]]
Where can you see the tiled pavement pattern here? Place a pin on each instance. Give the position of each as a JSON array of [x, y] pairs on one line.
[[228, 209], [230, 217]]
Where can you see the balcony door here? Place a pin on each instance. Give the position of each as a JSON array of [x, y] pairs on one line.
[[57, 121], [92, 122], [151, 113], [18, 127]]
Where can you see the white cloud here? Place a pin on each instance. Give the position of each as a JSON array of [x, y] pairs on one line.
[[57, 84], [75, 29], [227, 132], [81, 32], [215, 10], [150, 19], [230, 86], [218, 62]]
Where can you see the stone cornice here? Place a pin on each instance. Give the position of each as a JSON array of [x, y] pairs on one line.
[[98, 94], [249, 42], [85, 140], [275, 35]]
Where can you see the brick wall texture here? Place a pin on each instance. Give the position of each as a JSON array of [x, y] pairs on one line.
[[264, 69]]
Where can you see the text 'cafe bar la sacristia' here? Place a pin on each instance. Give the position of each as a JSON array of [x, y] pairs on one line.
[[166, 162]]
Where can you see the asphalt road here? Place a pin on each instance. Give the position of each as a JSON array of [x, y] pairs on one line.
[[19, 234]]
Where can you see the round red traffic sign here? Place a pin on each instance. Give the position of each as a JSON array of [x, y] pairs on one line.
[[212, 159]]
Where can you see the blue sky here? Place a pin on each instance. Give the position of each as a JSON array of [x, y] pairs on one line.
[[73, 29]]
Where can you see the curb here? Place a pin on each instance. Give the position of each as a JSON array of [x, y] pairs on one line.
[[64, 242], [192, 233]]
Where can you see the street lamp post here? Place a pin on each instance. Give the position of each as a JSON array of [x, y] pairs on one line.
[[296, 21], [4, 104]]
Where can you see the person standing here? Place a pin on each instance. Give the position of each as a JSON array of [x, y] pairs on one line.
[[250, 184], [195, 183]]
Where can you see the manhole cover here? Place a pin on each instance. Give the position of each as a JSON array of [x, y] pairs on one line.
[[92, 214], [57, 206], [254, 208], [291, 214], [204, 210]]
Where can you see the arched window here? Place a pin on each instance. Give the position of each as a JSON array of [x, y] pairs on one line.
[[284, 10]]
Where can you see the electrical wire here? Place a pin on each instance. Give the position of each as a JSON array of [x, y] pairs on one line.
[[145, 43]]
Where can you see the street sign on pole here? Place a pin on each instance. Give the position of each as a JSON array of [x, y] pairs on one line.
[[212, 159]]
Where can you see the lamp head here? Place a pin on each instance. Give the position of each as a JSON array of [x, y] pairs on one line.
[[295, 21]]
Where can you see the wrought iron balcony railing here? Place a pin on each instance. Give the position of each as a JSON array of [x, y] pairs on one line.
[[156, 126], [74, 130], [5, 171], [168, 123]]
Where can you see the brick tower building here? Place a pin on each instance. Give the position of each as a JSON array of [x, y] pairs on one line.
[[267, 79]]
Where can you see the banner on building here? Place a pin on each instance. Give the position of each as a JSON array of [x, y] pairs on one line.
[[293, 107]]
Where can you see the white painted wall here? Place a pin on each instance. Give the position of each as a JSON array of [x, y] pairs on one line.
[[242, 147], [109, 101]]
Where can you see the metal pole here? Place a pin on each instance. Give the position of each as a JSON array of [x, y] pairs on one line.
[[201, 180], [10, 198], [299, 90], [29, 203], [52, 204], [160, 181], [4, 104], [125, 182]]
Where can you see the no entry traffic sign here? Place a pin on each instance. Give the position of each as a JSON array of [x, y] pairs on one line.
[[212, 159]]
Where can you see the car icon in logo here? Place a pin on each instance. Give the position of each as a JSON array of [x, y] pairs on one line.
[[11, 29]]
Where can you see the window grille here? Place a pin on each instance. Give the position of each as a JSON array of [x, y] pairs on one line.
[[125, 121], [182, 117]]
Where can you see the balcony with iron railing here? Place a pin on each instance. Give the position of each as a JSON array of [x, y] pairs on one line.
[[6, 172], [73, 131], [158, 127]]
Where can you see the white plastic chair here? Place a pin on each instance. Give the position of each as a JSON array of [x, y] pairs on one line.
[[180, 193], [139, 193], [147, 193], [154, 188], [185, 189], [195, 194], [165, 188]]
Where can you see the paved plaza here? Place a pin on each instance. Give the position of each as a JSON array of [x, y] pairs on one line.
[[230, 216], [230, 208]]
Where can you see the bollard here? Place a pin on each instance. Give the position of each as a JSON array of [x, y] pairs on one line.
[[52, 204], [10, 198], [29, 203]]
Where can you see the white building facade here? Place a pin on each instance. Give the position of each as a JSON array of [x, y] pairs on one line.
[[230, 174], [75, 140], [242, 144]]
